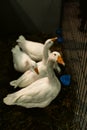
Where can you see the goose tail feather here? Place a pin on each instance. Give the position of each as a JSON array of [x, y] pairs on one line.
[[21, 39], [15, 49], [14, 83], [10, 99]]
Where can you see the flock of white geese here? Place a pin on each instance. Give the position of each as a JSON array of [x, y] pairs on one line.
[[39, 84]]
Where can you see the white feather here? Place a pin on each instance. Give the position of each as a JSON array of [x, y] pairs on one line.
[[40, 93], [21, 61], [33, 49], [30, 76]]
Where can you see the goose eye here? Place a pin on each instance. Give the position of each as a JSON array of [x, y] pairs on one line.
[[33, 66], [54, 54]]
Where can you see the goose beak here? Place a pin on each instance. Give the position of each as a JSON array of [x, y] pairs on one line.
[[53, 39], [36, 70], [60, 60]]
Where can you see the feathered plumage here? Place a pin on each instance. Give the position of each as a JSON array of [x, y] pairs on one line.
[[30, 76], [33, 49], [40, 93], [21, 61]]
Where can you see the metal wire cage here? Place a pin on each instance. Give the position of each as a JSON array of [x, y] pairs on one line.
[[81, 108], [75, 49], [77, 58], [59, 114]]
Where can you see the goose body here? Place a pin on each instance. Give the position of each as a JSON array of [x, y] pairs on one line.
[[33, 49], [40, 93], [30, 76], [21, 61]]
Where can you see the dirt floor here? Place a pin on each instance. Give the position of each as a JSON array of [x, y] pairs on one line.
[[58, 115]]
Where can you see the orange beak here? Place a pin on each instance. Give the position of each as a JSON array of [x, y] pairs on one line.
[[60, 60], [53, 39], [36, 70]]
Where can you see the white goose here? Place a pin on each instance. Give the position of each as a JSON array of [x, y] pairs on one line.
[[21, 61], [41, 92], [33, 49], [30, 76]]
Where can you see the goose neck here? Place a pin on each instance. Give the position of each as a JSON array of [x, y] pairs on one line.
[[51, 74], [47, 46]]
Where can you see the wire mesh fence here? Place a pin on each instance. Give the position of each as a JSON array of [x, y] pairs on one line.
[[75, 48], [76, 54], [81, 109]]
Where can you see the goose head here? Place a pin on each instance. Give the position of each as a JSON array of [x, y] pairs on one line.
[[50, 41], [57, 57]]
